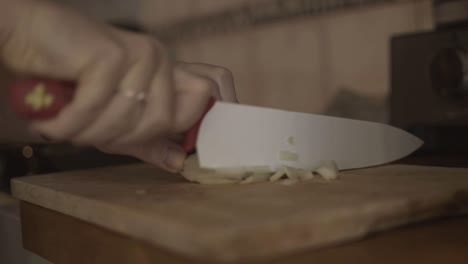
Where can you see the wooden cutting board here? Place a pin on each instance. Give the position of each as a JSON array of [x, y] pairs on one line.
[[245, 222]]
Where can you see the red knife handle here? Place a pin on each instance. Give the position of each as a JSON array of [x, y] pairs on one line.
[[40, 99]]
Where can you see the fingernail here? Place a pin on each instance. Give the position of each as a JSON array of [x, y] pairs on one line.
[[175, 159]]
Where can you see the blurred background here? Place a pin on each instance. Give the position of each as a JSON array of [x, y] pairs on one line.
[[299, 55], [400, 62]]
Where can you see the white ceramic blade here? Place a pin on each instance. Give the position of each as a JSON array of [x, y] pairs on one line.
[[233, 135]]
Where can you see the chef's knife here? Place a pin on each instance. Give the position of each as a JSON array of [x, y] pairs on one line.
[[234, 135], [41, 99]]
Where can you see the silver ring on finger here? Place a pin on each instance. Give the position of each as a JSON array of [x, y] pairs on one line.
[[138, 96]]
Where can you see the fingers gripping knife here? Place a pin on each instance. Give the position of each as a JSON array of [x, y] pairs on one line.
[[40, 99], [235, 135]]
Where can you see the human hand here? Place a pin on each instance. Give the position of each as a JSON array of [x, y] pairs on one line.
[[131, 98]]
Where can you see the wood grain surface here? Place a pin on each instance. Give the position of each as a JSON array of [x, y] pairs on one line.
[[248, 222], [63, 239]]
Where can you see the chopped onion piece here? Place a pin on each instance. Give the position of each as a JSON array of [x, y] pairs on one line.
[[278, 174], [328, 171], [255, 178], [245, 175], [307, 175], [288, 182]]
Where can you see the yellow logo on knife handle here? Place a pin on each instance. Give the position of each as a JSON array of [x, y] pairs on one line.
[[38, 98]]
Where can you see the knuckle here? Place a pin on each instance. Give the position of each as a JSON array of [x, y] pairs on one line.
[[203, 86], [163, 57], [149, 47], [222, 73], [162, 124], [115, 54], [156, 126], [84, 112]]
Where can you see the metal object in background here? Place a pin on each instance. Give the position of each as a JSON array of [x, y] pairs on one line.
[[429, 89]]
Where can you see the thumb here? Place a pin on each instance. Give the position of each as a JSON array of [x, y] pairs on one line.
[[159, 152]]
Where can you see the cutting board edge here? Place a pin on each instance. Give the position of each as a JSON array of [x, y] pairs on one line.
[[400, 219], [214, 247], [189, 249], [142, 235]]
